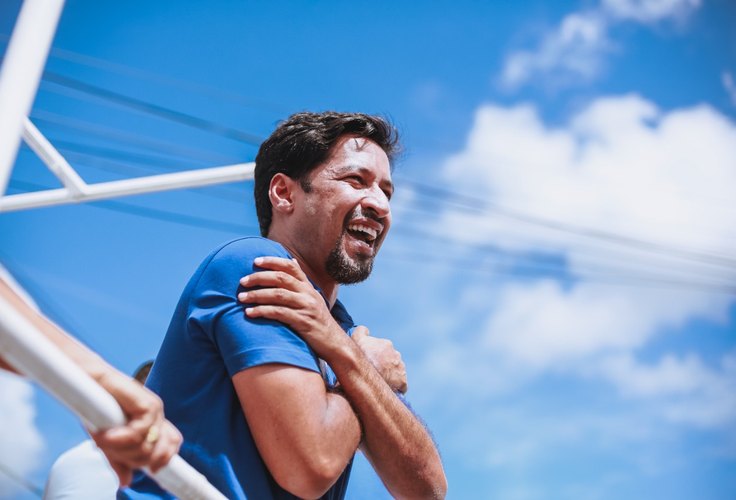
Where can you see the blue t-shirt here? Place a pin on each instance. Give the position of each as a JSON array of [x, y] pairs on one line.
[[209, 340]]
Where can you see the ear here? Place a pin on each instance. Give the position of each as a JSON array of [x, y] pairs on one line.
[[280, 192]]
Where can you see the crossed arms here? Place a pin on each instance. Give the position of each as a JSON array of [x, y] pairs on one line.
[[307, 434]]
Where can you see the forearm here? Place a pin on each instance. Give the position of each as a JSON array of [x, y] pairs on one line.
[[90, 362], [397, 444]]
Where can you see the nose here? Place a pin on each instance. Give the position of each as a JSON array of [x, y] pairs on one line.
[[377, 201]]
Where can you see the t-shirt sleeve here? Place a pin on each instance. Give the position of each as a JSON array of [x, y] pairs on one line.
[[215, 312]]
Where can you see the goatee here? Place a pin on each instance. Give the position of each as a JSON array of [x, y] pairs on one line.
[[343, 269]]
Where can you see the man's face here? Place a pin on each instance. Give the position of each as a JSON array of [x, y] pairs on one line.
[[345, 210]]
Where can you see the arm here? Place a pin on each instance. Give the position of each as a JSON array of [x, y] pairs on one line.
[[397, 444], [305, 434], [126, 448]]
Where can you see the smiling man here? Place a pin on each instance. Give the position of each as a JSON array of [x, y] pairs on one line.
[[263, 370]]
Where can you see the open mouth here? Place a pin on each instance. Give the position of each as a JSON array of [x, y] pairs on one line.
[[363, 233]]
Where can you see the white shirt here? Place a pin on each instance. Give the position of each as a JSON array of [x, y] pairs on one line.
[[81, 472]]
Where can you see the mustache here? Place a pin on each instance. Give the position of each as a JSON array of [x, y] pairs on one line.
[[363, 213]]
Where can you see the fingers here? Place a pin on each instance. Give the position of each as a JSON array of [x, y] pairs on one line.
[[272, 279], [166, 447], [285, 315], [359, 333], [125, 450], [288, 266], [125, 474], [271, 296]]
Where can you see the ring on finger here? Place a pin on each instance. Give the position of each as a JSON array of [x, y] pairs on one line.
[[152, 435]]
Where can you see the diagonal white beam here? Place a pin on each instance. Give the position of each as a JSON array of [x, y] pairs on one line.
[[52, 158], [21, 72], [28, 350], [127, 187]]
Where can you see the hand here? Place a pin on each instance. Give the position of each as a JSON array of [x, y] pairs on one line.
[[288, 296], [384, 358], [147, 439]]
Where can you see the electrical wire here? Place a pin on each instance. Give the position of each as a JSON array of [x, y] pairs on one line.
[[152, 109], [489, 207], [36, 490], [527, 266]]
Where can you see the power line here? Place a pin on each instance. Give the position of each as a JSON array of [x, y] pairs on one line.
[[36, 490], [582, 258], [525, 262], [152, 109], [521, 269], [525, 265], [485, 206], [40, 117]]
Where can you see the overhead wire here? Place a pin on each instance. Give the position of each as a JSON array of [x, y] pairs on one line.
[[463, 200], [490, 207], [43, 119], [527, 266], [121, 154], [152, 109], [17, 479], [578, 259]]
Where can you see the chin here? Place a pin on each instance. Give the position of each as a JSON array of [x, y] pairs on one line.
[[347, 270]]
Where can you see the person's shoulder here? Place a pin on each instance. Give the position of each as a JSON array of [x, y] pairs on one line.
[[249, 246], [230, 261]]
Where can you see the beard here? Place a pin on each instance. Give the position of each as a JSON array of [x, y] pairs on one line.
[[343, 269]]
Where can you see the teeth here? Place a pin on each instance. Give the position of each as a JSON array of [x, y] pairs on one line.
[[370, 232]]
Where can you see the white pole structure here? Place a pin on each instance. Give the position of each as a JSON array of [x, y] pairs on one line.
[[30, 352], [127, 187], [52, 158], [21, 72]]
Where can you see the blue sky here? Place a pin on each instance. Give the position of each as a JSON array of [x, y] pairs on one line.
[[560, 273]]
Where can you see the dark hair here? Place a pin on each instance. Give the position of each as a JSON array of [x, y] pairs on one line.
[[141, 373], [304, 141]]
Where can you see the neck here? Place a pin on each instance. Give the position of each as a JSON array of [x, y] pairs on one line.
[[316, 274]]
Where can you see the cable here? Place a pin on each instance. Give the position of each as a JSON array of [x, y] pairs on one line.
[[608, 236], [583, 258], [518, 270], [598, 273], [200, 222], [40, 117], [122, 69], [36, 490], [152, 109]]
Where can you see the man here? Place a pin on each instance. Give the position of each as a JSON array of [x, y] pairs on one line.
[[274, 400]]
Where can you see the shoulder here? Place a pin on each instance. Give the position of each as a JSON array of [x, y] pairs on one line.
[[247, 247], [235, 259]]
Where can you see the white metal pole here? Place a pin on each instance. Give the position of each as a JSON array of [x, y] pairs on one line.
[[30, 352], [126, 187], [52, 158], [21, 73]]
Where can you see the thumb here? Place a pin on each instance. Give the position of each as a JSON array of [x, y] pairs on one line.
[[359, 333]]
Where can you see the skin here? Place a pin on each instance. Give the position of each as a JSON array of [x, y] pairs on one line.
[[308, 434], [125, 447]]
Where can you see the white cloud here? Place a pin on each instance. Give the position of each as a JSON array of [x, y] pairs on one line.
[[621, 166], [575, 50], [729, 85], [21, 445], [647, 11], [685, 389]]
